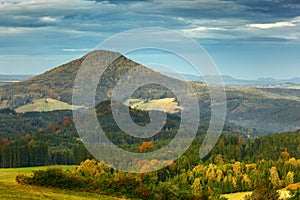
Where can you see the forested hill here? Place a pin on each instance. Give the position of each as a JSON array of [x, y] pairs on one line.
[[58, 82], [260, 109]]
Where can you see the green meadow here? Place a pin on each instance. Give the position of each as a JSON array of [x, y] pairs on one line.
[[10, 189]]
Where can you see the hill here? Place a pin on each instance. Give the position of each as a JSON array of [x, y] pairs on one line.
[[58, 83], [263, 110]]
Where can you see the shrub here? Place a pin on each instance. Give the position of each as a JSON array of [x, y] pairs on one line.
[[52, 178]]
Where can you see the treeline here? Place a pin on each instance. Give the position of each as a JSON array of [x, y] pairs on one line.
[[29, 153], [15, 124], [24, 155], [267, 147]]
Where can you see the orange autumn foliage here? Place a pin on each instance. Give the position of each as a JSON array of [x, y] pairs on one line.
[[285, 154], [4, 142], [146, 145], [52, 128], [31, 142], [66, 122]]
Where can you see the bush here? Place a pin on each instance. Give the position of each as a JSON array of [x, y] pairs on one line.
[[121, 185], [52, 178]]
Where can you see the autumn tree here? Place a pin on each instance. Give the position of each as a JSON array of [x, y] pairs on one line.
[[289, 178], [146, 145], [274, 177], [285, 154]]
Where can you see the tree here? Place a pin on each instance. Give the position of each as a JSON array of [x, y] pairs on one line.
[[199, 190], [264, 190], [146, 145], [289, 178], [285, 154], [4, 142], [274, 177], [219, 159]]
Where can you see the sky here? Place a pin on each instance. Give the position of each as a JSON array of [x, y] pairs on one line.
[[246, 39]]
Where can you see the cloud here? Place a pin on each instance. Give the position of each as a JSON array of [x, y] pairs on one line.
[[189, 8], [272, 10], [77, 50], [271, 25], [202, 28], [48, 19], [71, 27], [79, 25]]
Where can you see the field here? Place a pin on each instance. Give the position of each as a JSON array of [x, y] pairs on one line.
[[10, 189], [165, 104], [46, 104], [3, 104], [284, 194], [236, 196]]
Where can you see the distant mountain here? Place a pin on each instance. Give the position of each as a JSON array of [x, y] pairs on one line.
[[262, 110], [295, 80], [7, 78], [14, 77], [230, 81]]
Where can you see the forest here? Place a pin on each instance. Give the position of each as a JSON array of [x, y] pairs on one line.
[[186, 178], [237, 163]]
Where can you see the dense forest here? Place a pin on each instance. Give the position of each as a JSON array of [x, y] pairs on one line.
[[32, 139], [188, 177], [237, 163]]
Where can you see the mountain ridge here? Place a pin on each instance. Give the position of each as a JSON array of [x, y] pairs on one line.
[[231, 81]]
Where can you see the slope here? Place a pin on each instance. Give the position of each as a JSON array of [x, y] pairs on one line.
[[260, 109]]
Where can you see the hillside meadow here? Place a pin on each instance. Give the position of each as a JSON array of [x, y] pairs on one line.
[[10, 189], [44, 105]]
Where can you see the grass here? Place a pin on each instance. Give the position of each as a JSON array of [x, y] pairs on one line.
[[284, 194], [237, 195], [47, 104], [3, 104], [10, 189], [294, 87], [165, 104]]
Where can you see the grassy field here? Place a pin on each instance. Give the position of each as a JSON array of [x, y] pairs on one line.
[[284, 194], [10, 189], [47, 104], [165, 104], [3, 104], [236, 196]]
